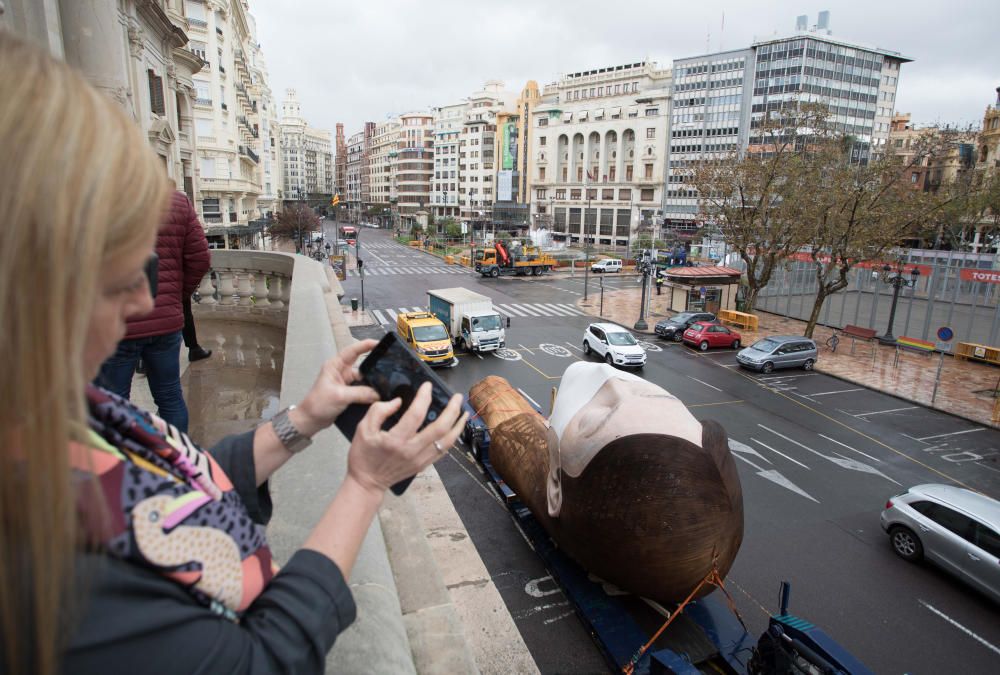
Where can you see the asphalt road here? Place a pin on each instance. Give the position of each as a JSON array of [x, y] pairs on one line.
[[818, 458]]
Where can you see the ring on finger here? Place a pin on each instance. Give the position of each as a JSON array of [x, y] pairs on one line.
[[437, 446]]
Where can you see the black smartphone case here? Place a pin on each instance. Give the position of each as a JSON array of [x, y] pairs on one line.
[[415, 372]]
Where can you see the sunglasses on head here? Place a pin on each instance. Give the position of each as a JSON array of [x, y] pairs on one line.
[[152, 273]]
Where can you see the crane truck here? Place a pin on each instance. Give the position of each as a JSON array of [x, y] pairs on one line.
[[512, 259]]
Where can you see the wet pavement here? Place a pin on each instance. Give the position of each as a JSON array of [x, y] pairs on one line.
[[966, 388], [234, 389]]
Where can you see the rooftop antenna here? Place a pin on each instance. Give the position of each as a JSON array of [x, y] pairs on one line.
[[722, 29], [708, 40]]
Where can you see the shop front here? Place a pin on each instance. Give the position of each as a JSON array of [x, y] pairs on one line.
[[700, 289]]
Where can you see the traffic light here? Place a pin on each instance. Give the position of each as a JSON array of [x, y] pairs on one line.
[[335, 201]]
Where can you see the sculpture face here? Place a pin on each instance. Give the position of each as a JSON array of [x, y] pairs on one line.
[[598, 404], [623, 478]]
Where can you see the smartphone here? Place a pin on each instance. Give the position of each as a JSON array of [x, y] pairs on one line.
[[392, 370]]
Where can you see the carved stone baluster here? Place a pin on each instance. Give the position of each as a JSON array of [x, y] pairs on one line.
[[260, 289], [245, 289], [286, 289], [207, 291], [274, 291], [226, 287]]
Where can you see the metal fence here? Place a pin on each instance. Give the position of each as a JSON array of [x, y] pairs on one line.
[[954, 289]]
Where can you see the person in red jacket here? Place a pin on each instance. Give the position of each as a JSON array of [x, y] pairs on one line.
[[156, 337]]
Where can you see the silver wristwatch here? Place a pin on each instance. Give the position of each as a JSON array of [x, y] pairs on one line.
[[293, 440]]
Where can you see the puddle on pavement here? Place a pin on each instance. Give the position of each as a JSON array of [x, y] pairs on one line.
[[238, 387]]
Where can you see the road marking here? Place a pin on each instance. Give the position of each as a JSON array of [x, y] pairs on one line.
[[379, 317], [573, 346], [703, 405], [555, 308], [529, 398], [778, 479], [768, 378], [502, 311], [736, 446], [525, 349], [779, 452], [841, 461], [572, 309], [392, 315], [959, 626], [710, 386], [558, 618], [954, 433], [839, 391], [510, 308], [882, 412], [525, 308], [419, 309], [834, 440]]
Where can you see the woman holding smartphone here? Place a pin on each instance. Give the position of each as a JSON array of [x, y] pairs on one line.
[[124, 547]]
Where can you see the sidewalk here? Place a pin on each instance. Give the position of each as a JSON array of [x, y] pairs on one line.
[[966, 388]]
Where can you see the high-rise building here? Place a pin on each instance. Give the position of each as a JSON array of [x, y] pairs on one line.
[[340, 163], [307, 156], [477, 168], [720, 99], [351, 195], [414, 166], [511, 209], [382, 163], [448, 121], [598, 146]]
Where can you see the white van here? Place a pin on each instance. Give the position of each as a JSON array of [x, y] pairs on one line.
[[607, 265]]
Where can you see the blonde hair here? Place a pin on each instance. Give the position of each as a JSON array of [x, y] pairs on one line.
[[79, 188]]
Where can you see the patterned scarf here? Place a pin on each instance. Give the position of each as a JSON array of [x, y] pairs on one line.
[[163, 503]]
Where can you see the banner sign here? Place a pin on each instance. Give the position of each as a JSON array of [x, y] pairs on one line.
[[974, 274], [509, 148]]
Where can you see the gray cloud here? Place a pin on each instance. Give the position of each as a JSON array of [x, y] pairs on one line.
[[358, 61]]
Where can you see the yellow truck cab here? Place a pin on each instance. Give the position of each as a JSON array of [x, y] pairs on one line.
[[427, 335]]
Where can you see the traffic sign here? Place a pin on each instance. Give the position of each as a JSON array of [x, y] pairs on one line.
[[945, 334], [942, 346], [703, 291]]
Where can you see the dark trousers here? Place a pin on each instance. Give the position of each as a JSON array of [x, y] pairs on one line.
[[189, 332], [162, 358]]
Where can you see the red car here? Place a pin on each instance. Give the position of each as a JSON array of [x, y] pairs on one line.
[[705, 335]]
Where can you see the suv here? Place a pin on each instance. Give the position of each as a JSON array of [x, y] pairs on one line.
[[955, 528], [614, 344], [607, 265], [779, 351], [674, 327]]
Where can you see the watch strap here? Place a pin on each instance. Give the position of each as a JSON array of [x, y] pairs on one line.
[[293, 440]]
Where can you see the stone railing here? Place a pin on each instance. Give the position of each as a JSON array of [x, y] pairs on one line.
[[250, 286]]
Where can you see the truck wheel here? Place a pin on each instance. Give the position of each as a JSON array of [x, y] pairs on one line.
[[536, 271], [494, 272]]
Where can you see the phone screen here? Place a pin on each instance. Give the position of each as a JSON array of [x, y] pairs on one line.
[[393, 370]]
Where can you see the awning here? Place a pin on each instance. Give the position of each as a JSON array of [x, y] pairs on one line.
[[568, 116], [616, 111], [583, 115], [633, 110], [599, 114]]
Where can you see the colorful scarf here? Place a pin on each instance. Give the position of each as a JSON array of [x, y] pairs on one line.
[[163, 503]]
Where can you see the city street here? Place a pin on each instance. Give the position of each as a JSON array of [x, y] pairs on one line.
[[818, 458]]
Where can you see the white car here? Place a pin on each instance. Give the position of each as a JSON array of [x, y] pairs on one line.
[[607, 265], [616, 345]]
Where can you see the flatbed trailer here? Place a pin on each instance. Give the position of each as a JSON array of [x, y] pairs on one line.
[[706, 637]]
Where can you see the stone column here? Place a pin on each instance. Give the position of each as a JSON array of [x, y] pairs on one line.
[[35, 20], [92, 40]]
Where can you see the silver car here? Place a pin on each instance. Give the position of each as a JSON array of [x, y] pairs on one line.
[[955, 528], [779, 351]]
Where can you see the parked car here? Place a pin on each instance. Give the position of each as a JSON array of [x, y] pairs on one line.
[[616, 345], [704, 335], [779, 351], [607, 265], [674, 327], [954, 528]]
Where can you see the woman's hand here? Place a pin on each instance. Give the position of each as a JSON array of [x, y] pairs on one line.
[[378, 459], [332, 392]]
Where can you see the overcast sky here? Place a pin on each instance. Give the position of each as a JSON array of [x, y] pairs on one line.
[[366, 60]]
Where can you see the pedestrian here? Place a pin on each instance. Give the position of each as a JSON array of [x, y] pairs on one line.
[[124, 547], [156, 337], [659, 283]]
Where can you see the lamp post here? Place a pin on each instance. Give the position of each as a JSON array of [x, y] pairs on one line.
[[586, 248], [897, 281]]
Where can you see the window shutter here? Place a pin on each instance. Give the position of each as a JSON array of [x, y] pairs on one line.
[[156, 93]]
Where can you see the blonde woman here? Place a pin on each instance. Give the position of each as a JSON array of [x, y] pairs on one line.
[[123, 546]]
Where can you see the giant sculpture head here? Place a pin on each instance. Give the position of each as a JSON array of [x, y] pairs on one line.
[[622, 476]]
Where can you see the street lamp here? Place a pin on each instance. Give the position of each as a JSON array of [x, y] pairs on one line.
[[897, 281]]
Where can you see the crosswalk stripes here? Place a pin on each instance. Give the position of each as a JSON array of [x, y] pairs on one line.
[[385, 271], [523, 310]]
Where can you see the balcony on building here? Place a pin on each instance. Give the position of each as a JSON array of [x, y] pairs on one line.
[[197, 23]]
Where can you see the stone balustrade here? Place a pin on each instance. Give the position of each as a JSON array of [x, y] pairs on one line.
[[246, 286]]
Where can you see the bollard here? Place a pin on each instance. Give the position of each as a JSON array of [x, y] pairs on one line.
[[354, 304]]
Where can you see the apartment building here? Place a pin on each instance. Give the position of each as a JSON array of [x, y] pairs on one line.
[[720, 100], [477, 169], [414, 170], [340, 163], [382, 163], [306, 155], [448, 122], [264, 130], [598, 146], [511, 209]]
